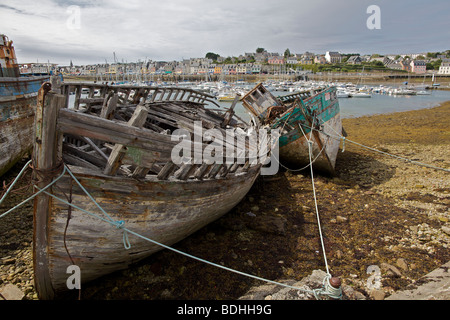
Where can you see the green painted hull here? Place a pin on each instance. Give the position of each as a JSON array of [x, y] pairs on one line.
[[321, 112], [301, 112]]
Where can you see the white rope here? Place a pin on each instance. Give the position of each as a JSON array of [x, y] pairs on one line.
[[328, 290], [310, 142], [325, 290], [295, 170], [341, 137]]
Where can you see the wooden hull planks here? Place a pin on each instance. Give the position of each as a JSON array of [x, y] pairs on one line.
[[301, 117], [17, 106], [164, 211], [120, 152], [295, 154]]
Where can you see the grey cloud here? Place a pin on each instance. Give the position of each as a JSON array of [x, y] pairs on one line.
[[175, 29]]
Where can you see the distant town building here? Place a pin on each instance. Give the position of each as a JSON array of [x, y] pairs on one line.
[[292, 60], [406, 65], [256, 68], [354, 60], [306, 58], [320, 59], [333, 57], [37, 68], [391, 63], [308, 55], [275, 59], [418, 66], [445, 67]]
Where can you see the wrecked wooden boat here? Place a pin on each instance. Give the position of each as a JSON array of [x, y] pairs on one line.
[[109, 153], [18, 96], [310, 115]]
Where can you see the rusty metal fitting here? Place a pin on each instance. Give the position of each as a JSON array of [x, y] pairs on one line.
[[335, 282]]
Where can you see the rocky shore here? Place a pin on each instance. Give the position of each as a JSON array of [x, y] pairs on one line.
[[385, 223]]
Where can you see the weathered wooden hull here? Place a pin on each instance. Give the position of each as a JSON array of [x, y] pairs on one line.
[[164, 211], [124, 159], [295, 154], [17, 108], [323, 113], [301, 117]]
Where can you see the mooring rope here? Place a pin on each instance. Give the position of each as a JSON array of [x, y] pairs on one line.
[[325, 290], [31, 197], [314, 160], [301, 169], [344, 139]]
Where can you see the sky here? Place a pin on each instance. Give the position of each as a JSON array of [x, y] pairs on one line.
[[91, 32]]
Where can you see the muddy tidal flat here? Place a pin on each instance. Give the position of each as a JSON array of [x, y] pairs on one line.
[[376, 211]]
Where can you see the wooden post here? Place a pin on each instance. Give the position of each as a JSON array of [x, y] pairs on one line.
[[109, 106], [77, 97], [116, 156], [230, 112], [56, 83], [45, 157]]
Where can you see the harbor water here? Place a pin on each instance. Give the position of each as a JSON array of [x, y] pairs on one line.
[[377, 104]]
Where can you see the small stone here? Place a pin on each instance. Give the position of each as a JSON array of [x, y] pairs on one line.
[[414, 229], [11, 292], [377, 294], [390, 269], [9, 261], [446, 230], [401, 263]]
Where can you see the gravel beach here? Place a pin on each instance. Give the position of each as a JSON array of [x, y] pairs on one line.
[[377, 213]]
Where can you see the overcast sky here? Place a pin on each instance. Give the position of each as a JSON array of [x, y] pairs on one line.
[[90, 31]]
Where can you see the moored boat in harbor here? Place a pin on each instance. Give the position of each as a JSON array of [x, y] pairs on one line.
[[118, 194]]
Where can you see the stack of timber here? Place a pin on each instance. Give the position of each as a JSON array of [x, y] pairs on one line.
[[117, 141], [309, 115], [18, 96]]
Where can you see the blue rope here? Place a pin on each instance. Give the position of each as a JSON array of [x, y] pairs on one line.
[[31, 197], [121, 225]]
